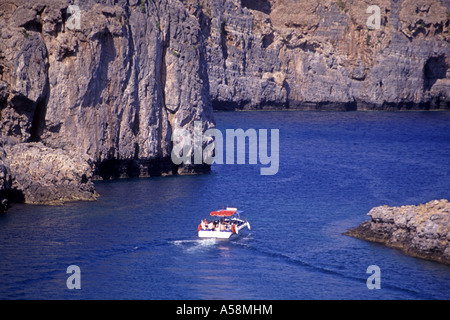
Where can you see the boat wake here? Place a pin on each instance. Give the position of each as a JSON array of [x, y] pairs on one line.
[[194, 245], [304, 263]]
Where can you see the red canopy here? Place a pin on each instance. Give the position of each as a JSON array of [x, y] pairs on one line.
[[223, 213]]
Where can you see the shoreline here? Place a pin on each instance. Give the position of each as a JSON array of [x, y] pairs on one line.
[[337, 110], [421, 231]]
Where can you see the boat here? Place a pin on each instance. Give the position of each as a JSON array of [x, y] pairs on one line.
[[225, 224]]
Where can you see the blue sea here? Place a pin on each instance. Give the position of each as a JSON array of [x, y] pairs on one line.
[[139, 240]]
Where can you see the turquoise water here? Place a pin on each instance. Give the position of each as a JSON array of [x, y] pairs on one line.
[[138, 241]]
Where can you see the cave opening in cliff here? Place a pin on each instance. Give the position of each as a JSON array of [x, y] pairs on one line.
[[260, 5], [38, 121], [267, 40], [435, 68]]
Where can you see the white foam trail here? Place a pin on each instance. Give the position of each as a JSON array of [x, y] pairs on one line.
[[194, 245]]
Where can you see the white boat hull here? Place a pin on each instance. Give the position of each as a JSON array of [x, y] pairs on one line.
[[215, 234], [225, 234]]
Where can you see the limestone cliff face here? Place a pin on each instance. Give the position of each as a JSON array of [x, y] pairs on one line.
[[111, 82], [110, 87], [321, 54]]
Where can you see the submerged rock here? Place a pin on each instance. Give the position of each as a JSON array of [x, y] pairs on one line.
[[422, 231]]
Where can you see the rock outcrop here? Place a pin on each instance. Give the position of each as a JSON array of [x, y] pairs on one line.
[[46, 175], [107, 81], [422, 231], [321, 55]]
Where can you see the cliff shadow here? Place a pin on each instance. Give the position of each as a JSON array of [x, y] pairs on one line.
[[259, 5], [134, 168], [99, 80], [435, 68], [14, 195]]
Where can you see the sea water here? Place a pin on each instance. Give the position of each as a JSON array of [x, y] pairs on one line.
[[139, 240]]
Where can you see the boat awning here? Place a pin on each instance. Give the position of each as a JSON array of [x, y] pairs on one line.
[[224, 213]]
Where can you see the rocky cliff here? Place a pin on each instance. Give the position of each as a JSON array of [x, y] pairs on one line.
[[422, 231], [109, 81], [321, 55], [102, 87]]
